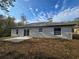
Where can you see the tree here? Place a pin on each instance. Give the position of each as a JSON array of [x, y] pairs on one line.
[[5, 24], [76, 20], [50, 20], [9, 24], [2, 25], [23, 21], [4, 4], [1, 16], [10, 21]]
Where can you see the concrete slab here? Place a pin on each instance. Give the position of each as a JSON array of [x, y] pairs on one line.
[[18, 39]]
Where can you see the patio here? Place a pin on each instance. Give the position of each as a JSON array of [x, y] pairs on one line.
[[17, 39]]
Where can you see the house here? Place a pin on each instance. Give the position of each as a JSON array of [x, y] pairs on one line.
[[44, 30]]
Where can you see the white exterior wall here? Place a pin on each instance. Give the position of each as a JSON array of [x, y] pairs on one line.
[[20, 32], [48, 32], [13, 32], [66, 32]]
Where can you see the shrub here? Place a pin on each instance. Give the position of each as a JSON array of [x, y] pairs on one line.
[[75, 36]]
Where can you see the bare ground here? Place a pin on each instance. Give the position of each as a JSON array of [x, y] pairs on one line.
[[40, 49]]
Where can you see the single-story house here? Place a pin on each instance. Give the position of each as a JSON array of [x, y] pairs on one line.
[[44, 30]]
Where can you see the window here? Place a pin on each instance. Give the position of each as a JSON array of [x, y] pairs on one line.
[[57, 31], [40, 29], [16, 31], [72, 30]]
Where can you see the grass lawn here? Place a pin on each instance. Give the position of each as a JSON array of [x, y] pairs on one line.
[[5, 38], [40, 49]]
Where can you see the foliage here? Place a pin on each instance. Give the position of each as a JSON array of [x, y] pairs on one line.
[[76, 36], [23, 21], [8, 22], [23, 18], [76, 20], [5, 24], [50, 20], [4, 4]]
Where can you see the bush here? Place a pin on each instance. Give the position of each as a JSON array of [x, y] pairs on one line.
[[75, 36]]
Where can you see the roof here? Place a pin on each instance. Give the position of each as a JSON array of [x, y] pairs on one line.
[[46, 24], [76, 26]]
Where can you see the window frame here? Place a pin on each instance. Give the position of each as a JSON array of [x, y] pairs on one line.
[[57, 31], [40, 29], [16, 31]]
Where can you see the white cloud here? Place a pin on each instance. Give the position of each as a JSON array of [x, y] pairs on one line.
[[64, 4], [49, 14], [36, 10], [42, 17], [56, 6], [31, 9], [67, 14]]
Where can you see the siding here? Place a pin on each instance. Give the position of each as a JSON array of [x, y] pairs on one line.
[[66, 32], [20, 32], [13, 32], [48, 32]]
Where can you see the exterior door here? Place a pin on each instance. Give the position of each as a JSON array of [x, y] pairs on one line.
[[27, 32]]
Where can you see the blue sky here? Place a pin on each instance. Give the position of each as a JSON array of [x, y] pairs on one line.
[[41, 10]]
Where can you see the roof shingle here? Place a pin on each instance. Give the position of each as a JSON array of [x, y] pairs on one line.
[[47, 24]]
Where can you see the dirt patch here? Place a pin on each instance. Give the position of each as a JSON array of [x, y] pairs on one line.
[[37, 48]]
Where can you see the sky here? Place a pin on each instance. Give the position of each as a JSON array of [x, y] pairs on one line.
[[41, 10]]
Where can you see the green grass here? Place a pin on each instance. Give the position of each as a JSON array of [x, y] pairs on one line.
[[2, 38]]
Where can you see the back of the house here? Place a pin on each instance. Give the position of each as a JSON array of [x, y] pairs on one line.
[[45, 30]]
